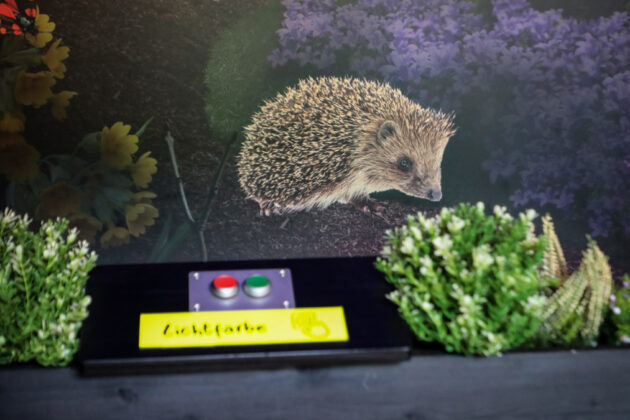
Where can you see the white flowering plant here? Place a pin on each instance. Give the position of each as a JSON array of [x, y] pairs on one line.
[[466, 279], [619, 311], [42, 290]]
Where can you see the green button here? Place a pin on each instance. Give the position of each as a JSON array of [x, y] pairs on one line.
[[257, 281], [257, 286]]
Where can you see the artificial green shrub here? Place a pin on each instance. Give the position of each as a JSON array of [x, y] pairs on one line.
[[42, 290], [575, 310], [619, 314], [467, 279]]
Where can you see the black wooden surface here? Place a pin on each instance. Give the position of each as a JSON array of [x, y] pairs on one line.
[[564, 385]]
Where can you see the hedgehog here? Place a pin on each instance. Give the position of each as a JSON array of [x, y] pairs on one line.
[[336, 140]]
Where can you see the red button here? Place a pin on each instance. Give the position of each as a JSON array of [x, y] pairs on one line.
[[224, 282], [224, 287]]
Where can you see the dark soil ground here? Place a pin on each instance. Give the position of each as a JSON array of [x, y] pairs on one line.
[[132, 60]]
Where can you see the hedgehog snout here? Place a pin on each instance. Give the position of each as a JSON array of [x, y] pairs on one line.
[[418, 187], [434, 194]]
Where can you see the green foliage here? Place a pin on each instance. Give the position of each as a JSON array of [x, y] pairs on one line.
[[42, 290], [15, 56], [575, 311], [93, 193], [239, 76], [619, 313], [466, 279]]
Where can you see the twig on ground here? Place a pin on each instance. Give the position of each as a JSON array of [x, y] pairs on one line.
[[198, 223]]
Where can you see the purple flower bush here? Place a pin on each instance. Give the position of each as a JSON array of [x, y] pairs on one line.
[[554, 91]]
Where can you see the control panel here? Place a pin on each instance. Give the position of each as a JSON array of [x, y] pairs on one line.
[[217, 290], [222, 314]]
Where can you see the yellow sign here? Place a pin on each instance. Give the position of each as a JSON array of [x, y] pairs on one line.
[[247, 327]]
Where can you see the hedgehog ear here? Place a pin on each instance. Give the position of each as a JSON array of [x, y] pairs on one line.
[[386, 131]]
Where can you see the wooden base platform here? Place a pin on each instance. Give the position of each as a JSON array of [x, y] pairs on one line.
[[587, 384]]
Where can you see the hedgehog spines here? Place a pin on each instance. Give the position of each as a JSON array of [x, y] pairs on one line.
[[304, 147]]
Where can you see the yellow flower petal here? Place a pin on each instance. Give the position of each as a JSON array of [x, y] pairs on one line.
[[8, 139], [18, 161], [34, 88], [44, 28], [59, 102], [142, 170], [54, 57], [115, 236], [144, 197], [117, 145], [139, 216], [12, 122], [58, 200]]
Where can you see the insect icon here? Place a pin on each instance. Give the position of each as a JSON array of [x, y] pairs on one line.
[[17, 19]]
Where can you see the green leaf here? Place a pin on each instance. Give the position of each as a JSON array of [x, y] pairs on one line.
[[114, 178], [162, 238], [90, 143], [12, 45], [10, 74], [181, 233], [143, 128], [71, 164], [39, 183], [117, 197], [6, 96], [24, 58], [103, 209], [58, 172]]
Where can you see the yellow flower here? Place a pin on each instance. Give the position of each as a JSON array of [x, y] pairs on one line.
[[144, 197], [8, 139], [142, 170], [115, 236], [44, 31], [87, 225], [18, 160], [34, 88], [58, 200], [54, 59], [139, 216], [117, 145], [59, 102], [12, 122]]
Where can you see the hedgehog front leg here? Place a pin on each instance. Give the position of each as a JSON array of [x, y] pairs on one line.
[[265, 208], [369, 206], [268, 208]]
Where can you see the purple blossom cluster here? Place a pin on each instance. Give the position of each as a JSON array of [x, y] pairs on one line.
[[554, 91]]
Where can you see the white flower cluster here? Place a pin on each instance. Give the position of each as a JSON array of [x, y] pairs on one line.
[[443, 245], [46, 274], [407, 246], [455, 225], [482, 257], [470, 275], [535, 303]]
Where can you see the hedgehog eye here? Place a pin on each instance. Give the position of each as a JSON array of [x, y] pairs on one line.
[[404, 164]]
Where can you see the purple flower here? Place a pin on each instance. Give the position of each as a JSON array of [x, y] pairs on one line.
[[550, 95]]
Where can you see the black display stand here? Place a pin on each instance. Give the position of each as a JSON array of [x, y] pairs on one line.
[[306, 382], [120, 293]]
